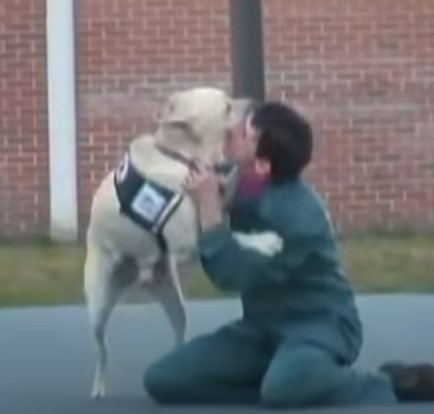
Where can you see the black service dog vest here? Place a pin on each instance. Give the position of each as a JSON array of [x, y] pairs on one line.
[[144, 201]]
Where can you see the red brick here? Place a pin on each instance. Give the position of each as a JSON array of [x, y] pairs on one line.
[[361, 69], [23, 129]]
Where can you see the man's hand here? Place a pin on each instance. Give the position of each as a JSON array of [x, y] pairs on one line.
[[202, 185]]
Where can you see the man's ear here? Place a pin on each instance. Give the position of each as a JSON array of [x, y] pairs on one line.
[[262, 167]]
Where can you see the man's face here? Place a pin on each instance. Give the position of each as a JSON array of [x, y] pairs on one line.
[[240, 145]]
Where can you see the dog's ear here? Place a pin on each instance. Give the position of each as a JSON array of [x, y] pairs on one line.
[[177, 113]]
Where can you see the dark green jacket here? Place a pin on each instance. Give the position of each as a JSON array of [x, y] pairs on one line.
[[300, 294]]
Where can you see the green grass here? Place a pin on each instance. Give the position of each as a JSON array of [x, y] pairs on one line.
[[390, 264], [50, 274]]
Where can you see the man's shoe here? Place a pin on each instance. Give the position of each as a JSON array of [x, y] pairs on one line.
[[411, 382]]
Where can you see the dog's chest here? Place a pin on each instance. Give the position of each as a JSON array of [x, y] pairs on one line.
[[143, 200]]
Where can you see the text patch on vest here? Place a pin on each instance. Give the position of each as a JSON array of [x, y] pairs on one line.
[[146, 202]]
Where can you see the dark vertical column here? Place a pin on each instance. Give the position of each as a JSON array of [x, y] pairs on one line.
[[247, 54]]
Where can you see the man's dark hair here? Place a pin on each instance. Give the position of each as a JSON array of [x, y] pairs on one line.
[[285, 140]]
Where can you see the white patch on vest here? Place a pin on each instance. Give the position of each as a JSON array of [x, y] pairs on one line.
[[267, 243], [148, 203]]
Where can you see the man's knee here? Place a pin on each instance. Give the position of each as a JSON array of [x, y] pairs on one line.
[[279, 394], [177, 377], [155, 382], [162, 383]]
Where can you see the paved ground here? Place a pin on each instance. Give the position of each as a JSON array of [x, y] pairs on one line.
[[46, 358]]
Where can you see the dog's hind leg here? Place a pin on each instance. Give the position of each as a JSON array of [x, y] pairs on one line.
[[166, 288], [101, 294]]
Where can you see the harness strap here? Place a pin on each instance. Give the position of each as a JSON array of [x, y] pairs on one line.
[[144, 201]]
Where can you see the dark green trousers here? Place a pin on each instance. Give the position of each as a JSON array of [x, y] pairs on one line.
[[236, 365]]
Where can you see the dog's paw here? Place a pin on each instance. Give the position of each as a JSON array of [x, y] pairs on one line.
[[98, 390], [266, 243]]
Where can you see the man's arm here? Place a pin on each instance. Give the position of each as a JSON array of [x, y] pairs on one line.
[[233, 260]]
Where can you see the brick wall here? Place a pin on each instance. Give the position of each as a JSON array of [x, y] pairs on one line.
[[131, 55], [23, 128], [363, 71]]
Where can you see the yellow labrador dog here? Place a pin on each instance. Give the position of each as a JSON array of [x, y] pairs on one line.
[[142, 224]]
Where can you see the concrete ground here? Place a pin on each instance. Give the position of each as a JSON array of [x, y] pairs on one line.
[[47, 361]]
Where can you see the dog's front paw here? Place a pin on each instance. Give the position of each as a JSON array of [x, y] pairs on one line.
[[266, 243]]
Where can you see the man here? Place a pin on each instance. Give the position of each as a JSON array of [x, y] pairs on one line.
[[300, 330]]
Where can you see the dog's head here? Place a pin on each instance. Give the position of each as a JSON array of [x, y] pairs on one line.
[[196, 121]]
